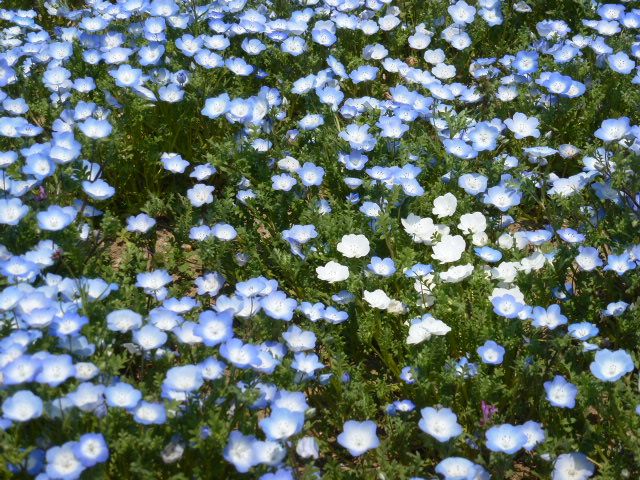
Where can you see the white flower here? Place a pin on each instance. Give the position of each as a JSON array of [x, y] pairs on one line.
[[449, 249], [423, 328], [506, 271], [457, 273], [505, 241], [396, 307], [333, 272], [377, 299], [445, 205], [514, 292], [353, 246], [572, 466], [480, 239], [472, 223], [421, 230], [535, 261], [289, 164]]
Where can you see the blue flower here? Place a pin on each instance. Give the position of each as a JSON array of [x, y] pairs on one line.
[[241, 451], [491, 353], [282, 424], [613, 129], [62, 462], [610, 366], [91, 449], [442, 424], [358, 437], [550, 317], [507, 306], [561, 393], [22, 406], [505, 438], [122, 395]]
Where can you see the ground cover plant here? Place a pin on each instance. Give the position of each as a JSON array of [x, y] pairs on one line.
[[342, 239]]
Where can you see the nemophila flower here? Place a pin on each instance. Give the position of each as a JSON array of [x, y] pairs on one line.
[[458, 468], [588, 258], [95, 129], [282, 424], [98, 189], [56, 218], [506, 306], [358, 137], [620, 263], [572, 466], [91, 449], [334, 316], [384, 267], [181, 380], [444, 205], [127, 76], [570, 235], [621, 63], [488, 254], [55, 370], [283, 182], [353, 246], [377, 299], [153, 281], [147, 413], [449, 249], [240, 451], [200, 194], [87, 397], [457, 273], [62, 462], [610, 366], [491, 353], [173, 162], [442, 424], [583, 330], [12, 210], [307, 447], [465, 369], [215, 328], [505, 438], [149, 337], [306, 364], [523, 126], [216, 106], [238, 353], [224, 232], [423, 328], [459, 148], [391, 127], [122, 395], [615, 309], [503, 198], [358, 437], [613, 129], [473, 183], [278, 306], [310, 174], [22, 406], [299, 340], [123, 320], [140, 223], [212, 369], [294, 46], [550, 317], [21, 370], [561, 393], [534, 433]]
